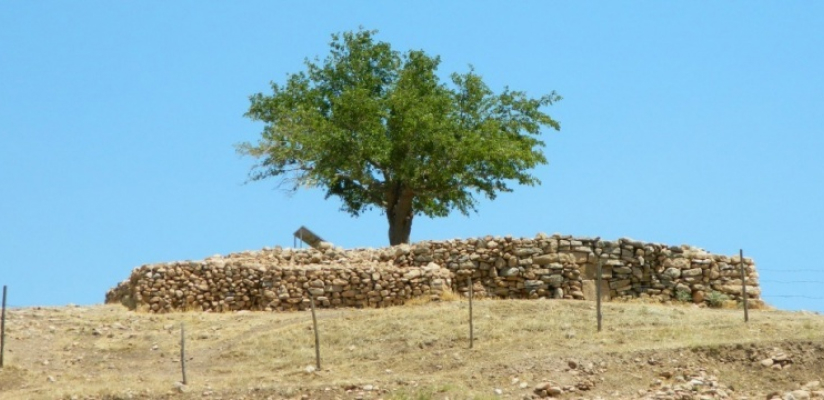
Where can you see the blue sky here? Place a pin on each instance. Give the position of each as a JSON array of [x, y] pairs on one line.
[[682, 122]]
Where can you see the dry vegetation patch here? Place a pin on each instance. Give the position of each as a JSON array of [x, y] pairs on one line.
[[411, 352]]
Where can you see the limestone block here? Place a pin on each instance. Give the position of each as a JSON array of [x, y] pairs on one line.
[[509, 272], [415, 273], [589, 288], [553, 280], [698, 296], [752, 291], [620, 284], [534, 285], [581, 257], [622, 270], [671, 273]]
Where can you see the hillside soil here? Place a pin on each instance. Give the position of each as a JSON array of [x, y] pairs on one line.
[[523, 349]]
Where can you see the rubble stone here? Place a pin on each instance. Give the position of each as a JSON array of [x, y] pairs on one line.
[[543, 267]]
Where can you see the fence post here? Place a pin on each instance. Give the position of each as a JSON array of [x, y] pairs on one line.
[[183, 353], [744, 286], [3, 328], [595, 251], [471, 325], [598, 293], [315, 328]]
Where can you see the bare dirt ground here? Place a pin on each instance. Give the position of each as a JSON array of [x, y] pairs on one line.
[[524, 349]]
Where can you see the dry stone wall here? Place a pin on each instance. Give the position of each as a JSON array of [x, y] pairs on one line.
[[501, 267]]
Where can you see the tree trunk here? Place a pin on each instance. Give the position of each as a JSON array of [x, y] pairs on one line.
[[400, 213]]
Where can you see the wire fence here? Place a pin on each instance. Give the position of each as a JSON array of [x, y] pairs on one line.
[[819, 270], [12, 306], [787, 280], [724, 325], [760, 281]]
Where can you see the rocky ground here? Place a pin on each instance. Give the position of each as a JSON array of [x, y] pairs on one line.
[[524, 350]]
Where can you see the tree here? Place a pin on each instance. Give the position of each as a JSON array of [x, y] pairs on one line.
[[378, 128]]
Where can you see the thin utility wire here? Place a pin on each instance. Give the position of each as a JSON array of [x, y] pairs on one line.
[[787, 296], [788, 270]]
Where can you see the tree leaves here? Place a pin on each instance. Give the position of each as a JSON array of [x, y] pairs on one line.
[[375, 127]]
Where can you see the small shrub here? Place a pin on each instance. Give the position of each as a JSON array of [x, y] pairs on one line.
[[683, 296], [716, 299]]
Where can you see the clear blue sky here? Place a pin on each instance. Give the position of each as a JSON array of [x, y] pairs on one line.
[[682, 122]]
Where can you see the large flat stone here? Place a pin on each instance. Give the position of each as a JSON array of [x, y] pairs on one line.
[[589, 287]]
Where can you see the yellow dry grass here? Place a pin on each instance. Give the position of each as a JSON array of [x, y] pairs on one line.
[[415, 351]]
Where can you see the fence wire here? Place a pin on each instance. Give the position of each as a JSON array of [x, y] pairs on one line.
[[759, 269], [787, 273]]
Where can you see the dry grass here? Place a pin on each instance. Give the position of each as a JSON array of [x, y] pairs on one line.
[[415, 351]]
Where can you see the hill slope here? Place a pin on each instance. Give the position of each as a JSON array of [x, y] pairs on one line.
[[414, 352]]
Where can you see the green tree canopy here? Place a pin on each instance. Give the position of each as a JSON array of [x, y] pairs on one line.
[[378, 128]]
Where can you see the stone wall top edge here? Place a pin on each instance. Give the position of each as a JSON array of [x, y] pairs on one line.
[[269, 266], [337, 257]]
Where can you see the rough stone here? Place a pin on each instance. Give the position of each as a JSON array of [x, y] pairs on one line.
[[672, 273], [556, 266], [589, 288]]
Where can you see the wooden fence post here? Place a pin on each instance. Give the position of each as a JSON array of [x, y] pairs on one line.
[[471, 325], [744, 286], [598, 293], [315, 328], [595, 249], [3, 328], [183, 353]]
